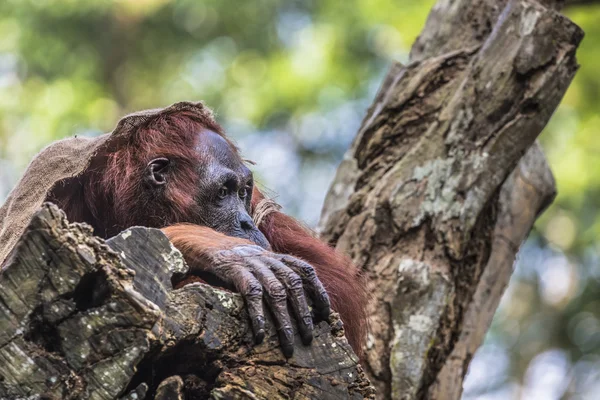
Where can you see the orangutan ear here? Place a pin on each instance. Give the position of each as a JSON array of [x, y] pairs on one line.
[[156, 171]]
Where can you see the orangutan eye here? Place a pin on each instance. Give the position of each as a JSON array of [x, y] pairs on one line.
[[223, 192], [243, 193]]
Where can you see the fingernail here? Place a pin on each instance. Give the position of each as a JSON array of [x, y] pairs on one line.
[[306, 332], [288, 350], [259, 336], [307, 338], [287, 342], [326, 310]]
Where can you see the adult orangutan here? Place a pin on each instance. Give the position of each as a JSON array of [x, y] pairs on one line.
[[175, 169]]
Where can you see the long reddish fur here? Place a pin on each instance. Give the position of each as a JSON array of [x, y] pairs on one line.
[[197, 244], [114, 193], [112, 198]]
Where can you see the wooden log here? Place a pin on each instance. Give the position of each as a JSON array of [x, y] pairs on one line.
[[85, 319]]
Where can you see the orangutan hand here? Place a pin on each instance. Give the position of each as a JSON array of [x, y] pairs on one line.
[[257, 273]]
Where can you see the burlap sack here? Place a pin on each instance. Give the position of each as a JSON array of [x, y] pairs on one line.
[[62, 162]]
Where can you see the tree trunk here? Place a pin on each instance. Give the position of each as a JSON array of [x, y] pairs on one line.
[[444, 181]]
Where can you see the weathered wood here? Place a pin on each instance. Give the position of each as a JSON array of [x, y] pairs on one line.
[[416, 199], [71, 325], [76, 322], [445, 31], [527, 192]]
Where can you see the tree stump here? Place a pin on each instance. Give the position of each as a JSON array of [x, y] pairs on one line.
[[83, 318]]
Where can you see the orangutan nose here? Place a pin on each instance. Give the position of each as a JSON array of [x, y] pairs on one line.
[[246, 223]]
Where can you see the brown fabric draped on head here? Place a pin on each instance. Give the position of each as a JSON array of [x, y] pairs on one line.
[[61, 163]]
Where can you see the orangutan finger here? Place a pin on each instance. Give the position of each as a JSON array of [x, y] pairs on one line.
[[276, 297], [252, 292], [312, 284], [295, 289]]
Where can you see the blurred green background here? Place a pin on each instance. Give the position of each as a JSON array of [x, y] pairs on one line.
[[290, 81]]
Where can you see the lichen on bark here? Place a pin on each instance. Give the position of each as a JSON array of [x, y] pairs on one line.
[[424, 177]]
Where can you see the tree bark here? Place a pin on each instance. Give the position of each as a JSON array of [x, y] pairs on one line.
[[84, 319], [428, 199]]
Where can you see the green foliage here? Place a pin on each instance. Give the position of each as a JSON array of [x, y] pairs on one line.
[[79, 65], [573, 148]]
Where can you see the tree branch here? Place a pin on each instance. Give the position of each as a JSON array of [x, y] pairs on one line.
[[528, 190], [514, 200], [417, 194]]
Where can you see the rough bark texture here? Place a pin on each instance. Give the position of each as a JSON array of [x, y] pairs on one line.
[[422, 198], [76, 322]]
